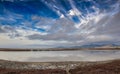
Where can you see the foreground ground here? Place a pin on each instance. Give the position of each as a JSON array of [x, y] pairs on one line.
[[106, 67]]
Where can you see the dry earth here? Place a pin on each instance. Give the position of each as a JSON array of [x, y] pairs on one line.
[[105, 67]]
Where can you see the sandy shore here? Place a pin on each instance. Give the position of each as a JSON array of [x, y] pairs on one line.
[[102, 67]]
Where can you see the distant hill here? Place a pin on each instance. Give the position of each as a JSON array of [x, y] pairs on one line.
[[94, 45]]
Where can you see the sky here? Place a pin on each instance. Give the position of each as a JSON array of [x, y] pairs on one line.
[[55, 23]]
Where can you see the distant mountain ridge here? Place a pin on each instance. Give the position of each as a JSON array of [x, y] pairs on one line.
[[94, 45]]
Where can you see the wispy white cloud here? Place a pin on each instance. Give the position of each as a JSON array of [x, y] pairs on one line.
[[63, 31]]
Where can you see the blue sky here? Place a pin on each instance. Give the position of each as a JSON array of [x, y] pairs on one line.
[[53, 23]]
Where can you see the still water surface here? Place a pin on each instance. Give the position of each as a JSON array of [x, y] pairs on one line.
[[47, 56]]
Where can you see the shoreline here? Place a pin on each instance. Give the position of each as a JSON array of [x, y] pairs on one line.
[[57, 49]]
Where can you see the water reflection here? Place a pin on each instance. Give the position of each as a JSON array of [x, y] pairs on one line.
[[46, 56]]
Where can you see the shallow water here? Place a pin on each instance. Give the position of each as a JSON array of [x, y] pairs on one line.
[[47, 56]]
